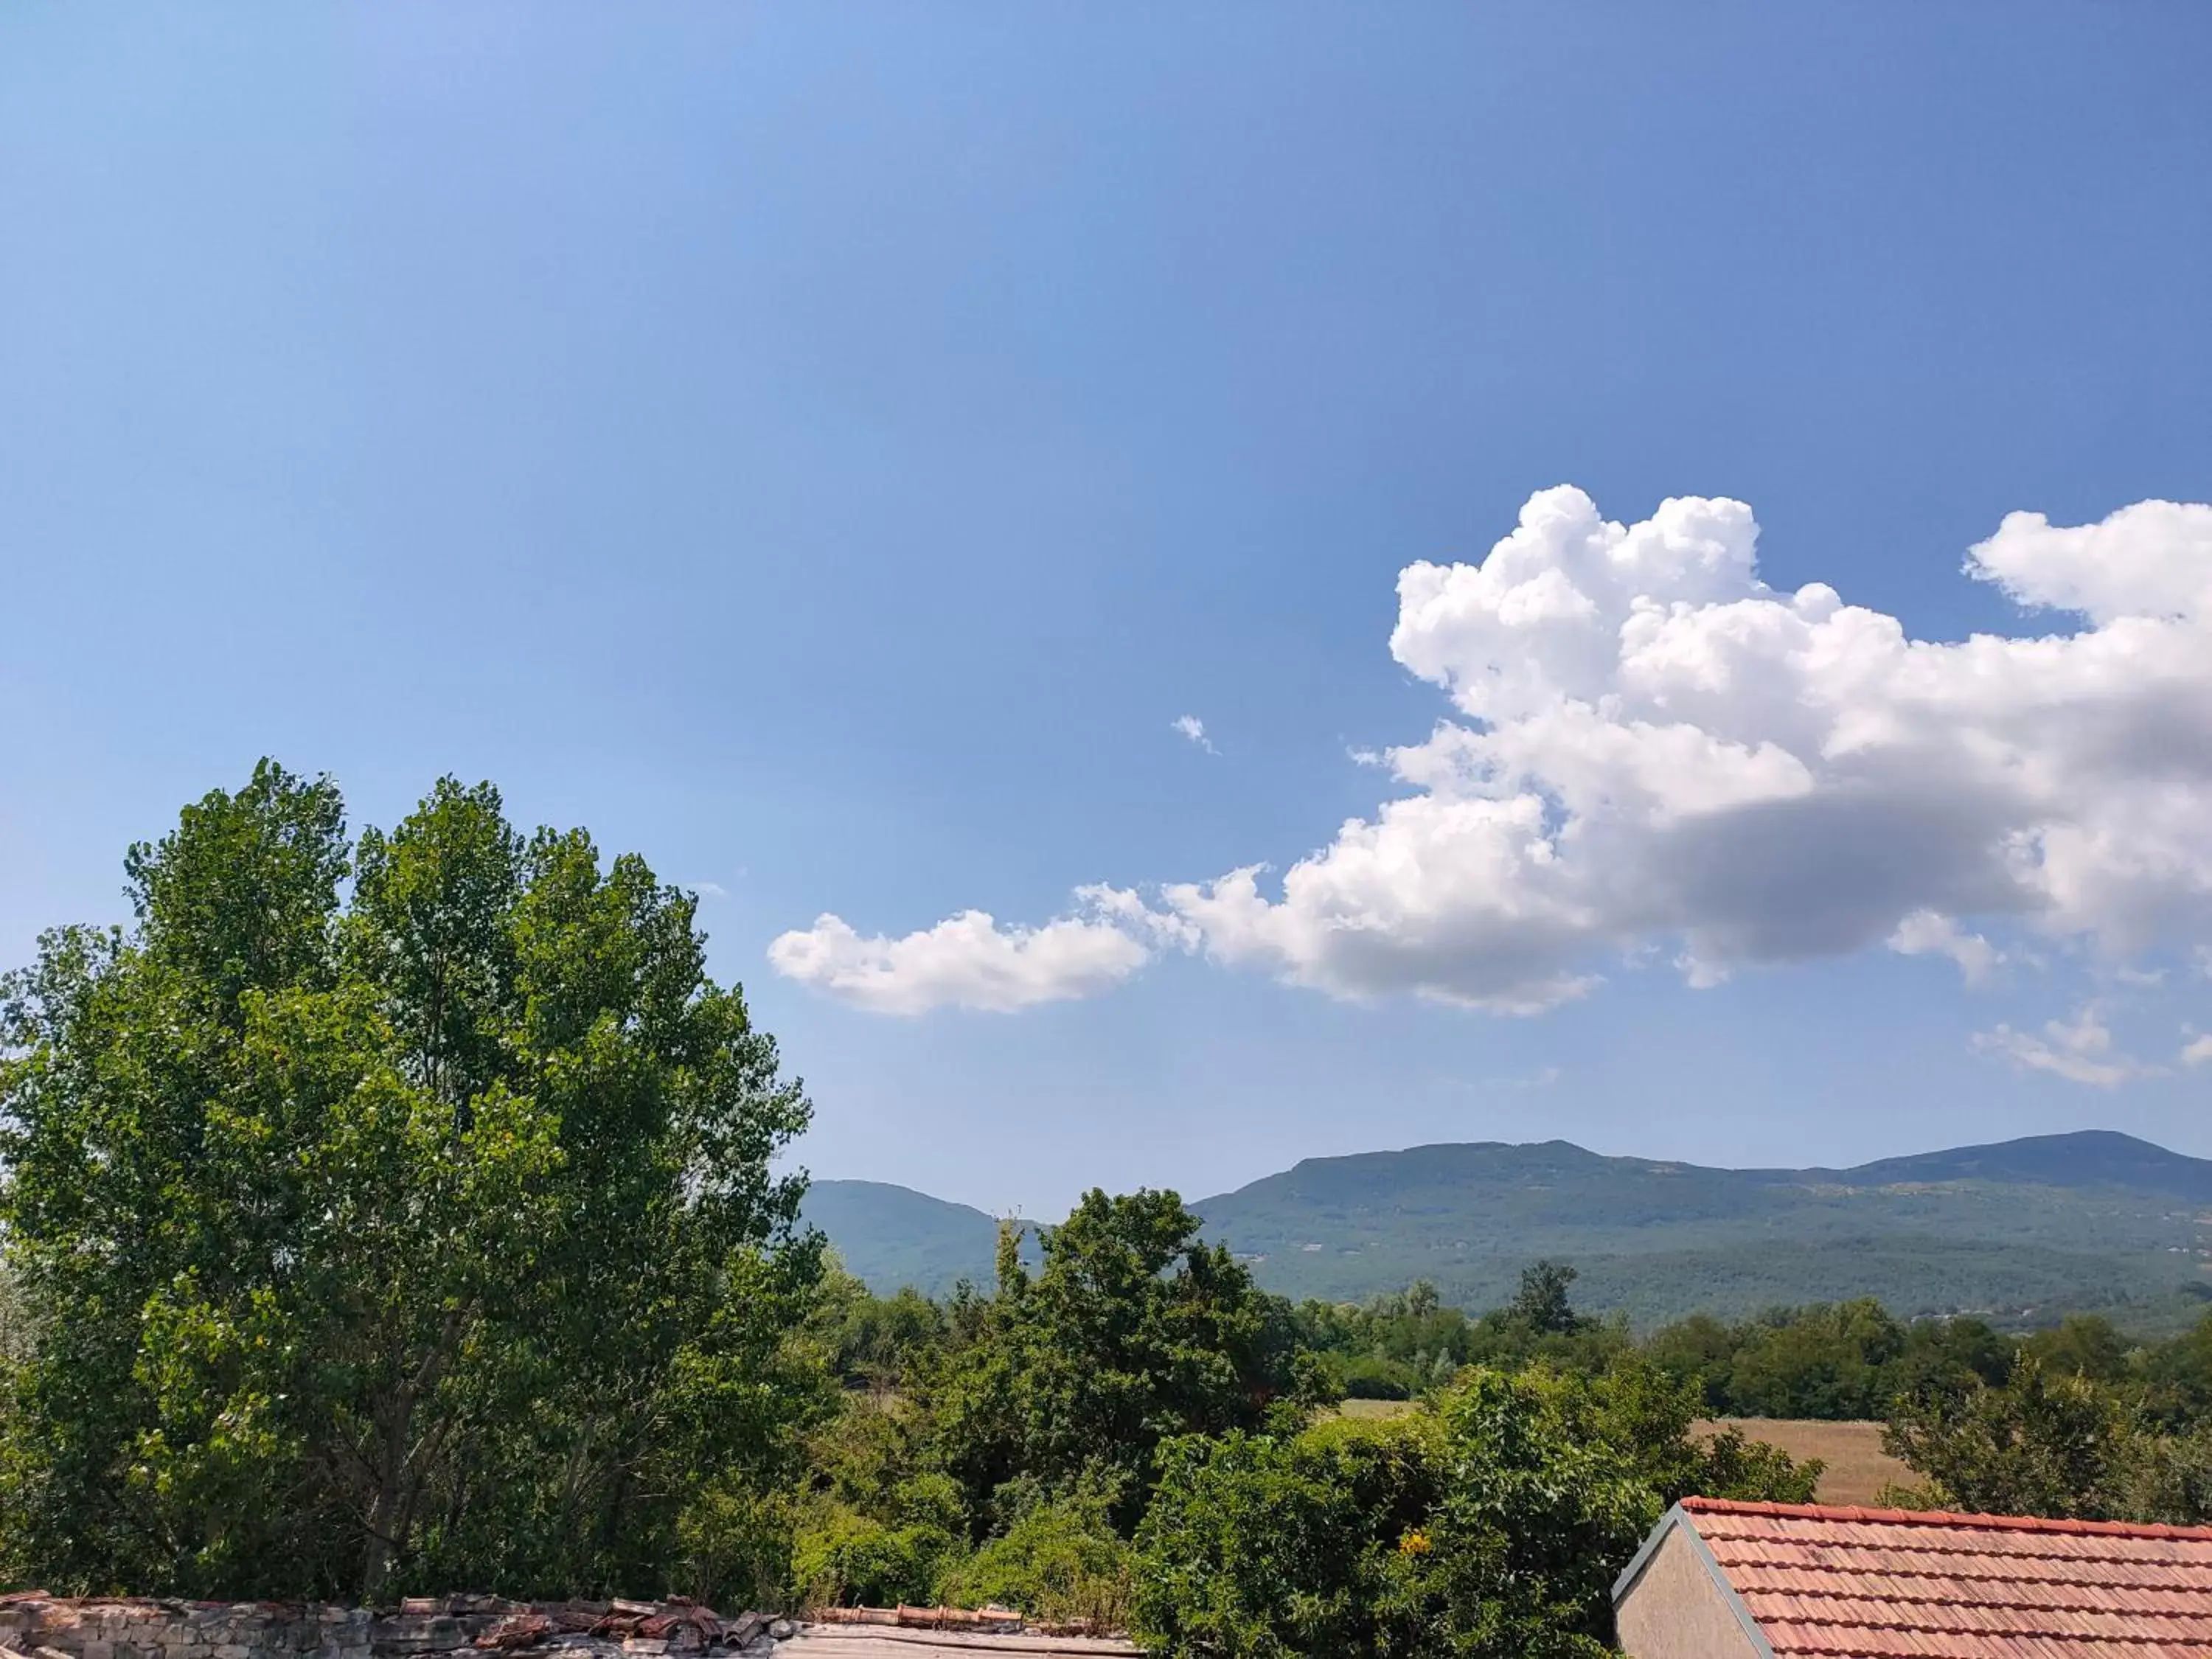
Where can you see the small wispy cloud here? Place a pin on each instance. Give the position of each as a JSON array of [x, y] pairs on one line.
[[709, 889], [2080, 1050], [1926, 933], [2197, 1049], [1193, 728]]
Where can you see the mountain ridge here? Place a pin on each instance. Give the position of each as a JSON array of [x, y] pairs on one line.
[[2094, 1218]]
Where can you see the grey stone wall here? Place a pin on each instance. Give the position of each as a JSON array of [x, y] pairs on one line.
[[135, 1628], [34, 1626]]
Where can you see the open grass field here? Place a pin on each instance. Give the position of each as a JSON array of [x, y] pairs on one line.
[[1857, 1468]]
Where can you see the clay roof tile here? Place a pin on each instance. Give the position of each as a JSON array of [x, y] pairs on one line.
[[1844, 1581]]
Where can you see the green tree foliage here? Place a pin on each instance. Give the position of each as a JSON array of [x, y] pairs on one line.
[[1000, 1447], [1541, 1305], [1391, 1347], [426, 1238], [1059, 1560], [1492, 1524], [874, 1340], [2175, 1378], [844, 1555], [2038, 1445], [1828, 1363], [1404, 1346], [1841, 1361], [1260, 1546], [1644, 1418], [2050, 1443], [1133, 1330], [2082, 1345]]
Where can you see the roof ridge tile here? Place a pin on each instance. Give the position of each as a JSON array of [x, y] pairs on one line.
[[1862, 1514]]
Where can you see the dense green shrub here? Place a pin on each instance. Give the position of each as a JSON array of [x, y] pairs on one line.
[[1260, 1545], [1059, 1560], [1643, 1417], [1492, 1525], [1372, 1377], [840, 1557]]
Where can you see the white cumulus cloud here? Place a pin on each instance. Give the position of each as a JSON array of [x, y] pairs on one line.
[[1651, 744], [2080, 1050], [969, 960], [1649, 753]]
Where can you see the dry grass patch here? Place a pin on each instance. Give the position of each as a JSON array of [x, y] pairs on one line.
[[1377, 1407], [1857, 1468]]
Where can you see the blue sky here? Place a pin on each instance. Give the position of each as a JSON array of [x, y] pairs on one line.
[[826, 447]]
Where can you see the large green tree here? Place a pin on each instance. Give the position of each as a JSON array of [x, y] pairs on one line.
[[424, 1233], [1134, 1329]]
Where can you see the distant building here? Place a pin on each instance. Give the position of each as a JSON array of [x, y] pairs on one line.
[[1719, 1580]]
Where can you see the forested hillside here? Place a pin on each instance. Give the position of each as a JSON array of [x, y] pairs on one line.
[[2081, 1221], [2022, 1231]]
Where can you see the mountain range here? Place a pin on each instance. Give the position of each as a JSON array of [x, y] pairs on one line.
[[2018, 1230]]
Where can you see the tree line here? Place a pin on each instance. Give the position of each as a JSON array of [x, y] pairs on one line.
[[1847, 1361], [2075, 1420], [391, 1213]]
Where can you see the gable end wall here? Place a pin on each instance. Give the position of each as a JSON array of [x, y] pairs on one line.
[[1675, 1610]]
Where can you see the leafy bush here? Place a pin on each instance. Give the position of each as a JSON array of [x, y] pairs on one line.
[[1491, 1524], [1060, 1560], [1643, 1415], [1370, 1377], [1258, 1546], [738, 1539], [2039, 1445], [1486, 1527], [840, 1557]]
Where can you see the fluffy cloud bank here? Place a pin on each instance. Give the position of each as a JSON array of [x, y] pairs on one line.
[[1652, 749]]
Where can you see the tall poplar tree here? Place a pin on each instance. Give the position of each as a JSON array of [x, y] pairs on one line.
[[421, 1235]]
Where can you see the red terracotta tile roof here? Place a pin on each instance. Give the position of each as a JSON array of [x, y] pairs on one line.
[[1902, 1584]]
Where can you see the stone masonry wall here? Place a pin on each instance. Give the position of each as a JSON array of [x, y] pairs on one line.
[[34, 1625], [144, 1629]]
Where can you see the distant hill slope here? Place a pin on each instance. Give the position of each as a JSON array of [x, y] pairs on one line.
[[2089, 1157], [2088, 1220], [893, 1235]]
